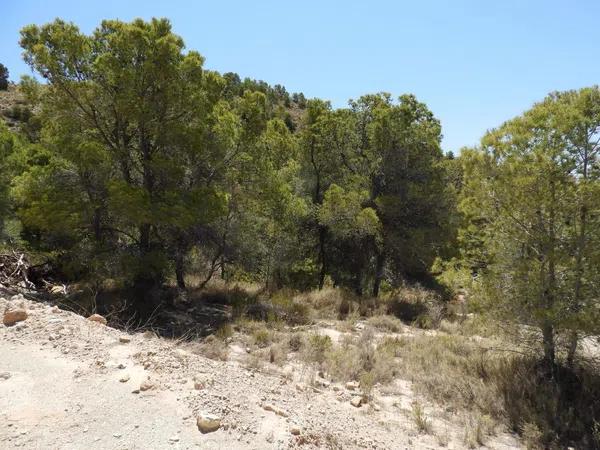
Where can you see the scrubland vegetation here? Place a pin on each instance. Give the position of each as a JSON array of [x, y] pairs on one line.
[[340, 240]]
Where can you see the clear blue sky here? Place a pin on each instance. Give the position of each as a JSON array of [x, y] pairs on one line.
[[475, 63]]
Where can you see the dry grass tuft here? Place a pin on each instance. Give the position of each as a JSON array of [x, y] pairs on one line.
[[213, 348], [385, 323], [421, 421]]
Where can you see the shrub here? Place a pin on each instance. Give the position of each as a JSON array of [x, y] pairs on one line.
[[331, 303], [317, 347], [261, 337], [3, 78], [385, 323], [277, 354], [421, 421], [562, 405], [417, 306], [296, 342]]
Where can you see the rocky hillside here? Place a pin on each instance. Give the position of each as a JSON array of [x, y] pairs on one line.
[[73, 382]]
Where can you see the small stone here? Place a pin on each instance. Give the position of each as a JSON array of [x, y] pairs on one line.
[[135, 391], [174, 439], [276, 410], [322, 383], [295, 431], [5, 375], [376, 407], [201, 381], [356, 401], [124, 378], [352, 385], [207, 422], [121, 366], [97, 318], [124, 340], [14, 316], [146, 385]]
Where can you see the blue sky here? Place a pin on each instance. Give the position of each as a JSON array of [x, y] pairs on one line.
[[476, 63]]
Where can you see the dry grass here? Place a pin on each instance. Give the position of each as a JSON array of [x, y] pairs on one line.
[[414, 305], [385, 323], [213, 348], [329, 303], [421, 421], [452, 371]]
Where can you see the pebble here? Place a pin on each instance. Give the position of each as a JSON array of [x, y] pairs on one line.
[[356, 401], [97, 318], [352, 385]]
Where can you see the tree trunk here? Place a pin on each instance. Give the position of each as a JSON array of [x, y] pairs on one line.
[[180, 271], [378, 273], [322, 256], [549, 345], [572, 350]]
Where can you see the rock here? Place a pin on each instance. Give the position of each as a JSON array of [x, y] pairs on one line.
[[201, 381], [14, 316], [97, 318], [124, 378], [146, 385], [322, 383], [352, 385], [295, 431], [356, 401], [135, 391], [207, 422], [58, 290], [276, 410], [124, 340], [5, 375]]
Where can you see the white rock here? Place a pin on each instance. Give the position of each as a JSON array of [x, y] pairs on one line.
[[352, 385], [146, 385], [356, 401]]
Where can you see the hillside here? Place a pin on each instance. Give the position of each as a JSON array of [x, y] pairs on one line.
[[68, 382]]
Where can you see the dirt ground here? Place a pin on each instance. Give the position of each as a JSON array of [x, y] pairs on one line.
[[69, 383]]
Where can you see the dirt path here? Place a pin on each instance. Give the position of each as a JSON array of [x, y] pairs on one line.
[[68, 383]]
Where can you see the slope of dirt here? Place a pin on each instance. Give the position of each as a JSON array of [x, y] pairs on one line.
[[70, 383]]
